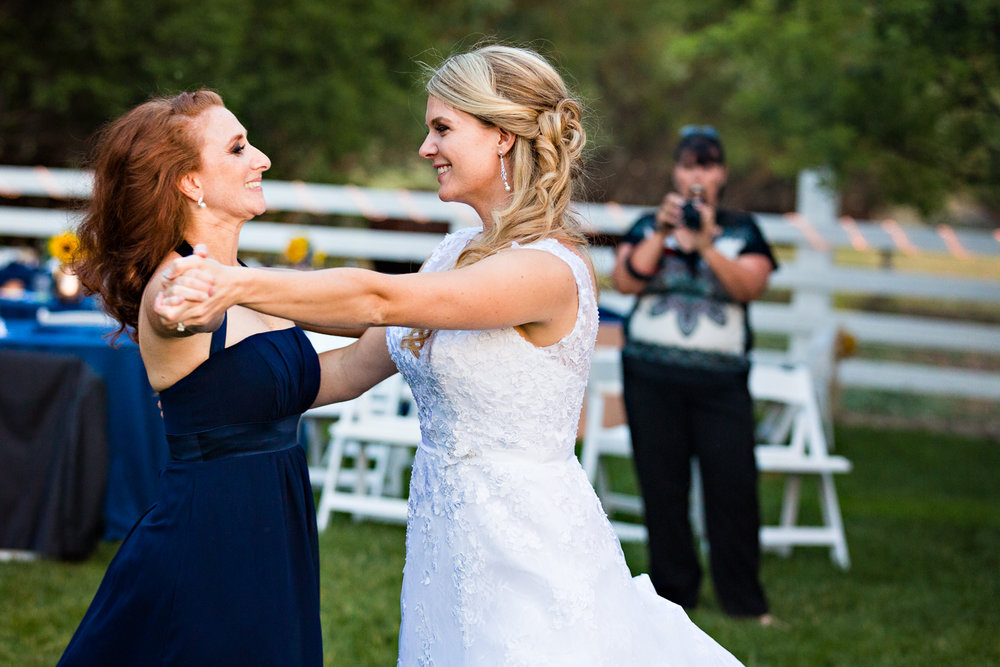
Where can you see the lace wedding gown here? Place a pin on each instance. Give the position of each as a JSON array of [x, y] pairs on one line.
[[510, 559]]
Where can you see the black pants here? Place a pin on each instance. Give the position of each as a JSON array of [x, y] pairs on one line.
[[670, 423]]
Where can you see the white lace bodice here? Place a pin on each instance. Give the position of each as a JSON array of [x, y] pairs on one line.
[[492, 392]]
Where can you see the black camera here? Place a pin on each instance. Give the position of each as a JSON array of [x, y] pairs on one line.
[[690, 215]]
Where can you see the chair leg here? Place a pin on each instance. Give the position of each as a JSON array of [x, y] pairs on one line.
[[397, 463], [361, 468], [790, 508], [335, 453], [311, 434], [379, 455], [776, 424], [317, 455], [830, 507], [371, 482]]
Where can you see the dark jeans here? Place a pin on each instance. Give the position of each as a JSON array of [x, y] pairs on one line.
[[671, 422]]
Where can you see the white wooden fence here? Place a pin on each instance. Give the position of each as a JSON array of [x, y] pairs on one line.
[[812, 277]]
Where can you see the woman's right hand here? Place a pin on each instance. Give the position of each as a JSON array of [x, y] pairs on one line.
[[668, 215]]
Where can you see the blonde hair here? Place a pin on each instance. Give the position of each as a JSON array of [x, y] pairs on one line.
[[518, 91]]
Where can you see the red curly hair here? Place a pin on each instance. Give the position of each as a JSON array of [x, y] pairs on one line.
[[137, 213]]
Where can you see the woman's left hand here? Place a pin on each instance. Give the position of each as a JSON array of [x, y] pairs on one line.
[[193, 293]]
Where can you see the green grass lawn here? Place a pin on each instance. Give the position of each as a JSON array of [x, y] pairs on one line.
[[922, 513]]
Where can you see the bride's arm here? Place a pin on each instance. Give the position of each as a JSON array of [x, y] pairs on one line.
[[348, 372], [511, 288]]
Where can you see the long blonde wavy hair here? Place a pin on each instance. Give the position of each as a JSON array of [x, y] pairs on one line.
[[518, 91]]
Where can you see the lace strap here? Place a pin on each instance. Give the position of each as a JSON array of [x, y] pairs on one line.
[[450, 248]]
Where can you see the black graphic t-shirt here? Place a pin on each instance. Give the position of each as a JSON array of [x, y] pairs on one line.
[[684, 319]]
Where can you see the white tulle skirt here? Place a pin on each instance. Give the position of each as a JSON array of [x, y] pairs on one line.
[[515, 563]]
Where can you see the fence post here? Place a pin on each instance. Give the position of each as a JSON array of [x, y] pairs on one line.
[[819, 206]]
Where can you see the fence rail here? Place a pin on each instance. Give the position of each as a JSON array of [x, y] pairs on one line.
[[812, 277]]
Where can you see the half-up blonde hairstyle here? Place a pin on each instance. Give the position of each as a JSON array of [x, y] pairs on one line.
[[518, 91]]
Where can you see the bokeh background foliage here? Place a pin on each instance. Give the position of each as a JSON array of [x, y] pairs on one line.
[[901, 98]]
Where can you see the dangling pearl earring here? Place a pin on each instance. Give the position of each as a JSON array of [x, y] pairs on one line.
[[201, 201], [503, 172]]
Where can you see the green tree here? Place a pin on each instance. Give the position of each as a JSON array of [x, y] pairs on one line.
[[900, 98], [319, 85]]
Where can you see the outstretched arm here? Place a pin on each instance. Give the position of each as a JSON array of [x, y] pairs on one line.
[[350, 371], [512, 288]]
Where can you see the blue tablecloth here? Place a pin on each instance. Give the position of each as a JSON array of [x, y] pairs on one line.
[[27, 306], [137, 446], [19, 309]]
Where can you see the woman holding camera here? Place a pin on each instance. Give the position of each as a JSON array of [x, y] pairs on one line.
[[685, 364]]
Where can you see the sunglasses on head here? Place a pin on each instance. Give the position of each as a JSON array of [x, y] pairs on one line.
[[703, 130]]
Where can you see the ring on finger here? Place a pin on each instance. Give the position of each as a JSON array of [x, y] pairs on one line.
[[180, 327]]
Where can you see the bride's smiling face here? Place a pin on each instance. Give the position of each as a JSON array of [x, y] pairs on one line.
[[464, 151]]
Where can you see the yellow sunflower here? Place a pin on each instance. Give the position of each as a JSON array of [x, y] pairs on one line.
[[845, 345], [297, 250], [64, 247]]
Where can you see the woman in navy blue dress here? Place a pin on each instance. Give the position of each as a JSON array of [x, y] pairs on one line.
[[224, 569]]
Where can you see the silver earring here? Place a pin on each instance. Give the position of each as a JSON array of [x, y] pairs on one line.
[[201, 201], [503, 172]]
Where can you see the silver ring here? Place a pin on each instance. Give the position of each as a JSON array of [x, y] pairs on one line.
[[180, 327]]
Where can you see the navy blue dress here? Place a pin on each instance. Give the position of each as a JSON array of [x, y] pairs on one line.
[[224, 568]]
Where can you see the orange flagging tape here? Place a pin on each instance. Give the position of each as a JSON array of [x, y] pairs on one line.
[[413, 211], [898, 237], [854, 234], [358, 197], [305, 197], [951, 241], [49, 183], [800, 222]]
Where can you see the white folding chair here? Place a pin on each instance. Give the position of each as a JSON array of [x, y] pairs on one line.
[[817, 354], [601, 439], [379, 427], [793, 443], [796, 447], [314, 429]]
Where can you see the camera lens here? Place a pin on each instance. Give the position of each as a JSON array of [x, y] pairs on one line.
[[691, 216]]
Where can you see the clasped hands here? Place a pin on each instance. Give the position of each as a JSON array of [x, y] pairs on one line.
[[669, 219], [192, 293]]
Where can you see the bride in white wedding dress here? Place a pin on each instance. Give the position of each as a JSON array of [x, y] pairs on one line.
[[510, 559]]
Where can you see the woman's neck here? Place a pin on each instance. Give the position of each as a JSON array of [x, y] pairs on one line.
[[221, 239]]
